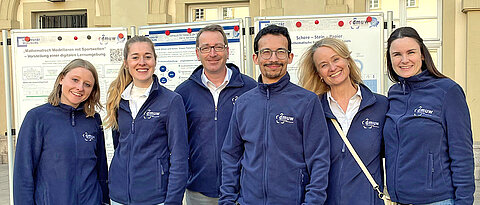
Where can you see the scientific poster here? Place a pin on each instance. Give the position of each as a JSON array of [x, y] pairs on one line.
[[39, 56], [363, 34], [175, 47]]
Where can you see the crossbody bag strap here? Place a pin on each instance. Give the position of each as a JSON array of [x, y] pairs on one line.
[[357, 159]]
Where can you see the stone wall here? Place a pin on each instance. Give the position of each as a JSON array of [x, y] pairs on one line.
[[4, 149]]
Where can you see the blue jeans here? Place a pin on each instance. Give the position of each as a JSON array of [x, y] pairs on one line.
[[116, 203], [444, 202]]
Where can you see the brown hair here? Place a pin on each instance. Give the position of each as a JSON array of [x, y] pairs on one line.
[[93, 99], [427, 62], [309, 77], [213, 27]]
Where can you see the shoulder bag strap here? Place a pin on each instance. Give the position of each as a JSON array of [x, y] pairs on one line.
[[357, 159]]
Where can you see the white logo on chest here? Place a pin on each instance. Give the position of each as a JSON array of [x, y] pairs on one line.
[[369, 124], [420, 111], [282, 119]]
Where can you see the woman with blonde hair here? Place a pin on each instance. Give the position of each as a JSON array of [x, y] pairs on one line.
[[149, 132], [327, 69], [60, 156]]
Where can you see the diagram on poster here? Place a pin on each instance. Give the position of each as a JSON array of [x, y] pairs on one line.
[[363, 34], [175, 48], [39, 56]]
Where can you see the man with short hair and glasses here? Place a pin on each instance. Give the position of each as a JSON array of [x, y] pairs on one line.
[[277, 148], [209, 95]]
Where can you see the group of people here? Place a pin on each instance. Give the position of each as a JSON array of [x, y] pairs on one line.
[[223, 138]]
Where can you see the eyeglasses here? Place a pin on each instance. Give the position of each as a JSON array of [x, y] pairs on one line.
[[216, 48], [267, 53]]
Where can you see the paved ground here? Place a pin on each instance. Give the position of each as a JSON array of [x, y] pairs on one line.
[[4, 190]]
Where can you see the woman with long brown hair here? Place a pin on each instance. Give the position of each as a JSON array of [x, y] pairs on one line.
[[428, 136]]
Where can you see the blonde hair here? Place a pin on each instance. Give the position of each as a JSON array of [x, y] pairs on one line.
[[121, 82], [93, 99], [309, 77]]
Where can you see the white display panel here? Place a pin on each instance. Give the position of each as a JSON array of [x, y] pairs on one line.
[[363, 34], [175, 48], [39, 55]]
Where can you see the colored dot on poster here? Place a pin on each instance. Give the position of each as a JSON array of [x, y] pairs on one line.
[[167, 32], [120, 35], [298, 24], [369, 19], [27, 39], [236, 28], [316, 21], [163, 80], [340, 23], [189, 30], [163, 68]]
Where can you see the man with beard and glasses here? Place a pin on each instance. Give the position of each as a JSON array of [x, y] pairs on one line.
[[209, 95], [277, 147]]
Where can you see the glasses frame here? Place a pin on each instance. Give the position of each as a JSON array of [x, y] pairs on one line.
[[224, 47], [260, 53]]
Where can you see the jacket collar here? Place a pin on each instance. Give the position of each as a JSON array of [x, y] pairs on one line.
[[273, 87], [153, 92], [368, 98], [235, 80], [68, 108], [418, 80]]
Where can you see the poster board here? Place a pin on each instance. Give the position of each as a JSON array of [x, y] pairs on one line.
[[362, 32], [175, 48], [39, 55]]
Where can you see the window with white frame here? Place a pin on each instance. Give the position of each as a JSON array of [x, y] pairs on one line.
[[199, 15], [61, 19], [411, 3], [374, 4], [426, 18], [227, 13], [210, 11]]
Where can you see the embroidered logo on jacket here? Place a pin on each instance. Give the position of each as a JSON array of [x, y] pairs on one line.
[[420, 111], [282, 119], [234, 99], [88, 137], [149, 114], [369, 124]]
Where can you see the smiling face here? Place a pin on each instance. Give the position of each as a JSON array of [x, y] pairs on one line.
[[272, 69], [141, 63], [212, 61], [406, 57], [331, 67], [76, 86]]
